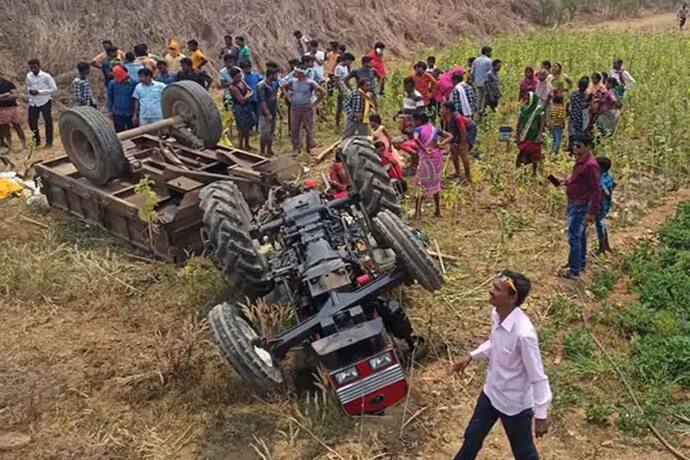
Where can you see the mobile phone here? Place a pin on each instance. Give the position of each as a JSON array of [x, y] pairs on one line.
[[554, 180]]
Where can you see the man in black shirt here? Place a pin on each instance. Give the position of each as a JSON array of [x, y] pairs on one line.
[[188, 73], [366, 72], [267, 95]]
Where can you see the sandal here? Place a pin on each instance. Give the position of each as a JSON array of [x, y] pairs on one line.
[[567, 274]]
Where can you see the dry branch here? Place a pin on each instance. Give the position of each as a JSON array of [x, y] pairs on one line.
[[34, 222]]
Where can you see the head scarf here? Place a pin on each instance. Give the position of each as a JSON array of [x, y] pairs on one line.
[[120, 73], [174, 48], [530, 117], [528, 85]]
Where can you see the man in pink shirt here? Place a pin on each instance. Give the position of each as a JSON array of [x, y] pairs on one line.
[[516, 388]]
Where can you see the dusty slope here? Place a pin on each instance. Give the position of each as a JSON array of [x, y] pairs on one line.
[[60, 32]]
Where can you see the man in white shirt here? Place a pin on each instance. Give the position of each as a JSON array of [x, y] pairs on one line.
[[319, 57], [621, 75], [342, 70], [516, 387], [302, 42], [480, 68], [41, 88]]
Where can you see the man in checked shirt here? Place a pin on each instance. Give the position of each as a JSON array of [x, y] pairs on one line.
[[516, 388]]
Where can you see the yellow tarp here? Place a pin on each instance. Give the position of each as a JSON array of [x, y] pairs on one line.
[[8, 187]]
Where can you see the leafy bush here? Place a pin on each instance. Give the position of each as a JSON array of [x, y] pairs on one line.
[[578, 344], [631, 420], [676, 232], [604, 280], [659, 358], [641, 262], [666, 288]]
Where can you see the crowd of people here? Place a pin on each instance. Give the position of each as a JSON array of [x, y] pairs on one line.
[[439, 109]]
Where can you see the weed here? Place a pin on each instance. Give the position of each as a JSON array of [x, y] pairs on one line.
[[675, 233], [638, 319], [179, 353], [578, 344], [569, 392], [147, 212], [631, 420], [598, 414], [604, 280], [608, 314], [563, 311], [547, 338]]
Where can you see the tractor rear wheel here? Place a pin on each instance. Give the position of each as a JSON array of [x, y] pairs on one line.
[[413, 258], [192, 102], [227, 223], [237, 341], [92, 144], [367, 176]]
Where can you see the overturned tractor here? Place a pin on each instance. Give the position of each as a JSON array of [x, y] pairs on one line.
[[333, 260]]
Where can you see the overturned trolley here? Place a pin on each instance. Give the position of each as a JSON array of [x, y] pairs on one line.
[[97, 180]]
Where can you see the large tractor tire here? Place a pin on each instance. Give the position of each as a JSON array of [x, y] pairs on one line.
[[92, 144], [191, 101], [227, 222], [413, 258], [237, 341], [367, 176]]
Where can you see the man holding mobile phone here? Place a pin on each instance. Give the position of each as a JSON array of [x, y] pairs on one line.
[[584, 197]]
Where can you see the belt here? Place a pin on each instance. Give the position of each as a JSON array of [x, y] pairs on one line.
[[578, 202]]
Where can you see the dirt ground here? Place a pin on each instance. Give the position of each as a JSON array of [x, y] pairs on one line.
[[103, 356]]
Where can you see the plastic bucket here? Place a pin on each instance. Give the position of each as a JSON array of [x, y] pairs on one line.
[[505, 133]]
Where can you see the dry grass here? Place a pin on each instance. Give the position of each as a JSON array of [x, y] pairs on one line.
[[79, 25]]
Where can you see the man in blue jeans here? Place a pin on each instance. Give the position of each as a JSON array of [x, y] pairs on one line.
[[584, 198], [516, 388]]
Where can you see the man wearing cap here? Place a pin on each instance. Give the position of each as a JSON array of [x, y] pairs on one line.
[[584, 198], [377, 63], [516, 388], [299, 92]]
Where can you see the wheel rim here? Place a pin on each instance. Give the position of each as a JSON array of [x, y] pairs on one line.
[[251, 335], [82, 148], [180, 108]]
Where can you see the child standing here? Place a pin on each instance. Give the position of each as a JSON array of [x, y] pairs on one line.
[[412, 101], [557, 113], [608, 184], [429, 142], [82, 87]]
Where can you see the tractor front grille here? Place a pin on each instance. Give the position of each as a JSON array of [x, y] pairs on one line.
[[369, 384]]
